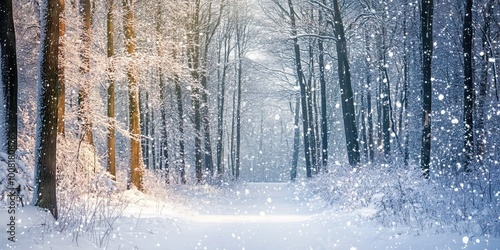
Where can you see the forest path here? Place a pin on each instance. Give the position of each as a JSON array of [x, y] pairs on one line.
[[265, 216], [254, 216]]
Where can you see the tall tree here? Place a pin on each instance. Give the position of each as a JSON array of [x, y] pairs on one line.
[[483, 82], [44, 194], [165, 160], [83, 93], [469, 96], [369, 134], [241, 29], [322, 80], [194, 65], [180, 113], [296, 138], [8, 80], [209, 30], [111, 90], [426, 17], [136, 166], [224, 52], [302, 85], [346, 92]]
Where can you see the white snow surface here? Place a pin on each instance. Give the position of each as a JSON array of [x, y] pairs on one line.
[[245, 216]]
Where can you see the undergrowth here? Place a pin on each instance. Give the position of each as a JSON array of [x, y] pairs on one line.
[[462, 202]]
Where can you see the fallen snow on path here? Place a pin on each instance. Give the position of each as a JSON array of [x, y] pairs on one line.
[[248, 216]]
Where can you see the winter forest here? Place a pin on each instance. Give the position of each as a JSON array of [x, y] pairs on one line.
[[249, 124]]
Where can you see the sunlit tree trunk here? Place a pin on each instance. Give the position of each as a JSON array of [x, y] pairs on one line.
[[83, 93], [136, 165], [111, 91], [44, 194], [62, 85]]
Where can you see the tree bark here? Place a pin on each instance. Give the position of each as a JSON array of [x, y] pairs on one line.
[[483, 84], [194, 62], [111, 91], [180, 112], [296, 139], [136, 165], [346, 90], [324, 118], [310, 111], [238, 104], [62, 85], [369, 136], [44, 194], [221, 103], [83, 93], [303, 93], [469, 96], [426, 17], [9, 78]]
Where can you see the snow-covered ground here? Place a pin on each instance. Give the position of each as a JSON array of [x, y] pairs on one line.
[[246, 216]]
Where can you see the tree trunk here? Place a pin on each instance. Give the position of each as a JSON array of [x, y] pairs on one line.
[[296, 139], [385, 93], [468, 87], [233, 151], [44, 194], [194, 62], [324, 118], [483, 84], [363, 139], [83, 92], [9, 79], [221, 103], [165, 160], [111, 92], [62, 85], [346, 90], [207, 152], [310, 111], [369, 139], [136, 165], [180, 112], [403, 118], [427, 13], [144, 125], [238, 106], [303, 93]]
